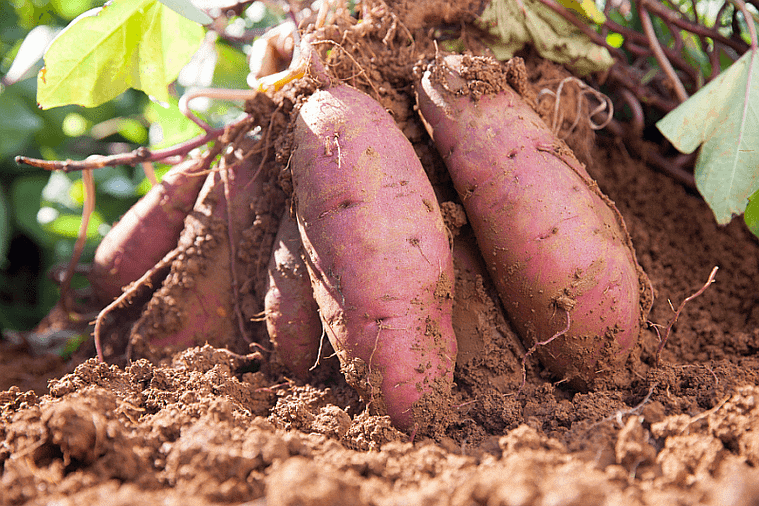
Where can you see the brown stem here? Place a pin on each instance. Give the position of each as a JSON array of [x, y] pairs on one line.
[[664, 63], [216, 94], [672, 18], [671, 167], [645, 94], [139, 155], [638, 117]]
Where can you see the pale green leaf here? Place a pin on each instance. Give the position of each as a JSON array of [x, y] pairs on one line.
[[722, 118], [554, 37], [140, 44]]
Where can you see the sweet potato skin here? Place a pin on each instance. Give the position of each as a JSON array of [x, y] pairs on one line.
[[378, 254], [148, 231], [556, 247], [292, 316]]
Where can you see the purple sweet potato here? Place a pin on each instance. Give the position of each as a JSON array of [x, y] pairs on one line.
[[378, 254], [557, 248], [292, 316], [148, 231]]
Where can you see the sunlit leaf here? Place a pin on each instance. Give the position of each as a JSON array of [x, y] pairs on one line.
[[722, 118], [67, 225], [128, 43], [615, 39], [174, 126], [69, 9], [133, 131], [231, 69]]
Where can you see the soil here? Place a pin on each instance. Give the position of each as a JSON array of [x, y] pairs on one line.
[[209, 425]]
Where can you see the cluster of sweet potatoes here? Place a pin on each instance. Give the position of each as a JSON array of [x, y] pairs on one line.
[[364, 257]]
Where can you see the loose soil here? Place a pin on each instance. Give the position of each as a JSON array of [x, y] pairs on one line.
[[210, 425]]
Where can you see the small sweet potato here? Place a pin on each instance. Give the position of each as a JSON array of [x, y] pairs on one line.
[[556, 247], [292, 316], [148, 231], [196, 304], [378, 254]]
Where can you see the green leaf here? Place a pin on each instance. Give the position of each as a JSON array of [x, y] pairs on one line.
[[67, 225], [231, 68], [554, 37], [128, 43], [751, 217], [722, 118], [175, 126], [18, 125]]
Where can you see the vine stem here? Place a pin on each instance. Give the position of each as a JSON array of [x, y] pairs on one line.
[[139, 155], [664, 63]]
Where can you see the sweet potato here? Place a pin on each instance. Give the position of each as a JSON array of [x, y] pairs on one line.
[[148, 231], [378, 255], [557, 248], [196, 304], [292, 316]]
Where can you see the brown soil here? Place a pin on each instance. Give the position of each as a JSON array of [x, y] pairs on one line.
[[217, 426]]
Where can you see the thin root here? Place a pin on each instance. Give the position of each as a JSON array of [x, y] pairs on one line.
[[667, 332], [535, 347], [604, 105], [129, 293], [81, 240]]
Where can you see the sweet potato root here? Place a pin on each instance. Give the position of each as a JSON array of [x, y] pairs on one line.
[[556, 247], [292, 317], [378, 254], [148, 231]]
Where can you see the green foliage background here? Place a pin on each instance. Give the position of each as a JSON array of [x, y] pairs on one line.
[[40, 212]]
